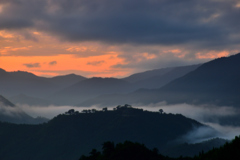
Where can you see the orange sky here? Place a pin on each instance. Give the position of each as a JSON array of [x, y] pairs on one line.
[[44, 55], [50, 57], [117, 39]]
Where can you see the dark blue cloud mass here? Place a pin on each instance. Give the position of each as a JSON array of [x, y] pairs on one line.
[[203, 24]]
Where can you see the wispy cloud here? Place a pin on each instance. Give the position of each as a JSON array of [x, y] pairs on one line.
[[52, 63], [95, 63], [32, 65]]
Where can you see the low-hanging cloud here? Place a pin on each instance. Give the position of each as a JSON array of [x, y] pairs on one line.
[[10, 111], [207, 114], [51, 111]]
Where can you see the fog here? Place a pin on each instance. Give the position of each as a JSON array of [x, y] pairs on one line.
[[201, 113], [9, 111]]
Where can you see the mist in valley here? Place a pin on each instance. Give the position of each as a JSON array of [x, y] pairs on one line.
[[207, 114]]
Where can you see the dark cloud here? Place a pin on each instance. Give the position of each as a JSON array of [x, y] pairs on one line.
[[95, 63], [32, 65], [202, 24], [161, 61], [52, 63]]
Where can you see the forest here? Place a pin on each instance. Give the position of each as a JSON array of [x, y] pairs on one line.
[[130, 150]]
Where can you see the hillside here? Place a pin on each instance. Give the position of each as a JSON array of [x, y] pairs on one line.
[[27, 88], [20, 82], [129, 150], [91, 88], [72, 134], [214, 82], [11, 113], [157, 78], [5, 102], [13, 83], [32, 101], [191, 150], [66, 80]]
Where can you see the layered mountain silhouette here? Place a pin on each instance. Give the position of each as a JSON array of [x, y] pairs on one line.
[[72, 134], [16, 84], [157, 78], [33, 101], [27, 88], [215, 82], [13, 83], [11, 113], [91, 88]]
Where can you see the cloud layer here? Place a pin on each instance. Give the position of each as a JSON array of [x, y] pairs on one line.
[[207, 23]]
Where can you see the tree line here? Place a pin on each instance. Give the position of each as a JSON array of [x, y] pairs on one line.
[[130, 151]]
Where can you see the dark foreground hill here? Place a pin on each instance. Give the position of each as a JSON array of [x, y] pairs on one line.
[[129, 151], [191, 150], [70, 135], [215, 82]]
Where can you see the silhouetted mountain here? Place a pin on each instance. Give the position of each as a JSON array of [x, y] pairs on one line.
[[66, 80], [147, 74], [228, 151], [11, 113], [93, 87], [129, 150], [90, 88], [191, 150], [72, 134], [73, 89], [160, 77], [215, 82], [5, 102], [14, 83], [24, 99]]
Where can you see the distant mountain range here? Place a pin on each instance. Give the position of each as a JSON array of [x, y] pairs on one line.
[[27, 88], [14, 83], [159, 77], [72, 134], [215, 82]]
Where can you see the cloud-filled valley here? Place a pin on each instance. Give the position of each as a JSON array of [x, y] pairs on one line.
[[206, 114]]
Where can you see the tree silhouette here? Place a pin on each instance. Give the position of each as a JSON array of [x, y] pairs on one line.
[[161, 111]]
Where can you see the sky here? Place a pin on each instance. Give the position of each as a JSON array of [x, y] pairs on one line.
[[106, 38]]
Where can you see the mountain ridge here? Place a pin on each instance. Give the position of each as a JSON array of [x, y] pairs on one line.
[[215, 82]]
